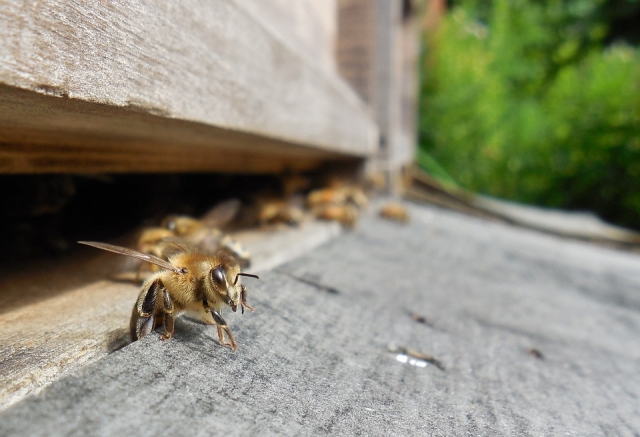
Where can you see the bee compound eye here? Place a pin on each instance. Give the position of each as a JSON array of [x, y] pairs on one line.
[[218, 276]]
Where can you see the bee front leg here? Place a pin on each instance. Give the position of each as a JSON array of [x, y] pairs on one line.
[[143, 317], [168, 315], [243, 299], [222, 327]]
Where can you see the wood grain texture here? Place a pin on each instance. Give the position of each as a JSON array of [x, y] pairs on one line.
[[46, 134], [310, 25], [480, 297], [355, 46], [213, 64], [377, 51], [408, 46], [56, 317]]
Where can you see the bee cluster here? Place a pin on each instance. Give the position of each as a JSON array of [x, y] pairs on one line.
[[206, 233], [192, 265], [338, 201]]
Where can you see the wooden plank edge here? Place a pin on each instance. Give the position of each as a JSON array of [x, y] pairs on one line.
[[220, 66], [47, 134], [76, 316]]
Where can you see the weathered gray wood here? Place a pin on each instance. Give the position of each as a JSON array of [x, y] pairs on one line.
[[308, 24], [45, 134], [408, 45], [377, 53], [396, 85], [57, 317], [211, 63], [582, 225], [355, 46], [312, 362]]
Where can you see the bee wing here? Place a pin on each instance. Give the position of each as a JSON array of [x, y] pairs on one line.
[[130, 252], [171, 245], [222, 213]]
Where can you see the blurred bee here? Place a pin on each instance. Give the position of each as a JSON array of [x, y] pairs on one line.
[[340, 203], [149, 239], [338, 196], [395, 212], [192, 282], [272, 210], [325, 196], [347, 215], [205, 233]]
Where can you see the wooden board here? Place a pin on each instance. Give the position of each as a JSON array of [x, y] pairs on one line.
[[377, 53], [355, 46], [56, 317], [308, 24], [143, 75], [45, 134]]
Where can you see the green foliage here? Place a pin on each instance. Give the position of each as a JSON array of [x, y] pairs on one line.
[[530, 106]]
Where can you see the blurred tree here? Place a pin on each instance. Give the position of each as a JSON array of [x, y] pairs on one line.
[[522, 99]]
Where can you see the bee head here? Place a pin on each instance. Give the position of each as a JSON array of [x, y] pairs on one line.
[[223, 280], [223, 285]]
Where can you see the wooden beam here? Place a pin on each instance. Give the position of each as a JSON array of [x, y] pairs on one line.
[[192, 86], [377, 53], [308, 24], [45, 134], [57, 316], [355, 46]]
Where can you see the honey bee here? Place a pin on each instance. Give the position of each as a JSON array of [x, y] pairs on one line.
[[340, 203], [326, 196], [149, 239], [191, 282], [204, 233], [280, 210], [395, 212], [148, 242], [347, 215]]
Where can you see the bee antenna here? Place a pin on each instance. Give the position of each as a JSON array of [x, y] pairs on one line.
[[244, 274]]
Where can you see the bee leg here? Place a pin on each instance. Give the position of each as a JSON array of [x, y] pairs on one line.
[[243, 299], [168, 315], [143, 315], [222, 327]]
